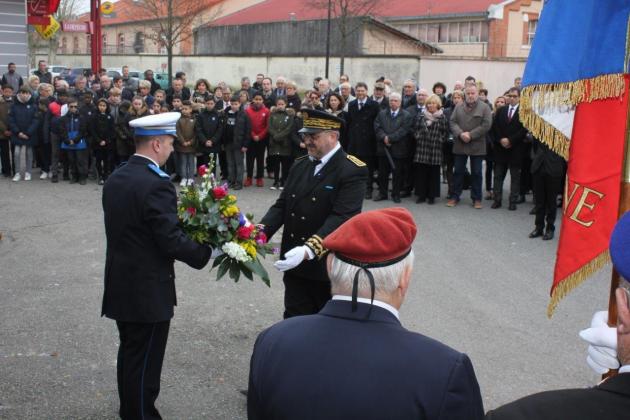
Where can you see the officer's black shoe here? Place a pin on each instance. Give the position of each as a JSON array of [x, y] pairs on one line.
[[536, 233], [512, 206], [380, 197], [548, 235]]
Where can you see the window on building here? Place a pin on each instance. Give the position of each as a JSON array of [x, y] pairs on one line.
[[105, 43], [64, 45], [453, 32], [138, 44], [75, 45], [120, 45], [433, 30], [531, 31], [88, 39], [445, 32], [443, 37]]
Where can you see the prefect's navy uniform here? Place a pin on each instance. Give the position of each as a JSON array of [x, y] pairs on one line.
[[143, 241], [310, 207]]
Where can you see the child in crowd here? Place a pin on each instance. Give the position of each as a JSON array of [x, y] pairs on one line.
[[23, 123], [125, 146], [209, 132], [236, 127], [73, 135], [177, 103], [281, 131], [102, 136], [185, 145]]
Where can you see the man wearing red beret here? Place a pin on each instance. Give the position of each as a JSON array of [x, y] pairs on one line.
[[354, 360], [324, 189]]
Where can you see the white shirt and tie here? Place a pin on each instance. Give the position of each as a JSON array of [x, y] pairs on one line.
[[512, 111]]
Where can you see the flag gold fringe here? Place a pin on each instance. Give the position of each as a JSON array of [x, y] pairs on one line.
[[569, 94], [575, 279]]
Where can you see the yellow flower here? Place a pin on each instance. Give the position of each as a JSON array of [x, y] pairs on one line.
[[229, 211], [232, 197], [250, 248]]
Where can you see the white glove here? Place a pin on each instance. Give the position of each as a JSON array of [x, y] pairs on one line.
[[293, 258], [602, 351], [216, 252]]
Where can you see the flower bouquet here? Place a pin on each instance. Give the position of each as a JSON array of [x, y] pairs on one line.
[[209, 215]]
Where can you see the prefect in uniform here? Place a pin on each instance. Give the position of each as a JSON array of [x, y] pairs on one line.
[[323, 190]]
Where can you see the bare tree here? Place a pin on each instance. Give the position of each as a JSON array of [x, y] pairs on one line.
[[346, 16], [174, 21]]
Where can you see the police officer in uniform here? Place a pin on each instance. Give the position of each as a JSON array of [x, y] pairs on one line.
[[324, 189], [143, 240]]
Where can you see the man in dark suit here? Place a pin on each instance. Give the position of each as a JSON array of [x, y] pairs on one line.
[[508, 135], [143, 240], [361, 137], [548, 170], [392, 128], [324, 189], [354, 359], [609, 349]]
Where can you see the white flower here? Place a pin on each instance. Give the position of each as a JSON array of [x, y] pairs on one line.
[[235, 251]]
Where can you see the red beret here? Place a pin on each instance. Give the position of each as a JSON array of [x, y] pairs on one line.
[[375, 236]]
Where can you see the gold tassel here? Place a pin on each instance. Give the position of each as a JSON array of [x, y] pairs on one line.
[[557, 95], [575, 279]]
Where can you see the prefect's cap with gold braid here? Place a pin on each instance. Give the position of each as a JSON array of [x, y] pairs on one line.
[[316, 121]]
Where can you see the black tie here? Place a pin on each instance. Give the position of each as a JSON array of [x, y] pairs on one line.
[[360, 105], [311, 173]]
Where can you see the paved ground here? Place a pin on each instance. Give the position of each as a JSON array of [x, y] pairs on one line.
[[479, 285]]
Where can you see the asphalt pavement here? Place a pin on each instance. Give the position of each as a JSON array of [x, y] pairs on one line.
[[479, 285]]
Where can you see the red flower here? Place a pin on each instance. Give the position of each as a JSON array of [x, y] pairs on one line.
[[201, 171], [245, 232], [192, 211], [219, 192]]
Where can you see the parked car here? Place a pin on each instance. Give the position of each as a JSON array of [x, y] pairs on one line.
[[70, 74], [54, 69]]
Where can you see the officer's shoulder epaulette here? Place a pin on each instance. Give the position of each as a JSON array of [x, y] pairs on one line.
[[356, 160], [301, 158], [156, 169]]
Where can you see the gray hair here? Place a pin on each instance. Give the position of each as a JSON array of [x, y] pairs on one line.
[[395, 95], [144, 84], [386, 279], [63, 84]]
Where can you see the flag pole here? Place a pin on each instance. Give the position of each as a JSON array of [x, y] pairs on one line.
[[624, 206]]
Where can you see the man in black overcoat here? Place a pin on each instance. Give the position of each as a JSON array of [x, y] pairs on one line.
[[548, 171], [143, 241], [361, 136], [324, 189], [354, 359], [508, 135], [392, 128]]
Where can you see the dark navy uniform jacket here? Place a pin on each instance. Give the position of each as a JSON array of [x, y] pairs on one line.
[[316, 205], [338, 365], [143, 240]]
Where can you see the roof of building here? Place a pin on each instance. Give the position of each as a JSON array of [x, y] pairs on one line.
[[127, 11], [284, 10]]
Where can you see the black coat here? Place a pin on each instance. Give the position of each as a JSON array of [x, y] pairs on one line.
[[143, 241], [360, 126], [336, 365], [209, 125], [101, 127], [397, 131], [609, 400], [236, 128], [73, 122], [316, 205], [514, 131], [546, 161]]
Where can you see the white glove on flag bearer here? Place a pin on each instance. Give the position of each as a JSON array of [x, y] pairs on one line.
[[602, 339]]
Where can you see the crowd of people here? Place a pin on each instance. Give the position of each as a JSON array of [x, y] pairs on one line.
[[411, 140]]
